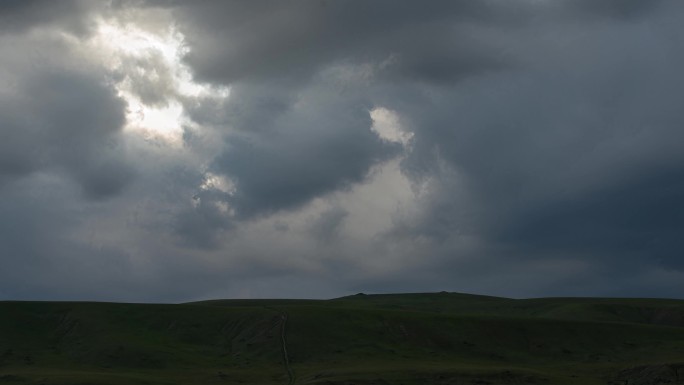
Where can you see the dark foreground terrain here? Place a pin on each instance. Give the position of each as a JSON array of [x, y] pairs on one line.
[[439, 338]]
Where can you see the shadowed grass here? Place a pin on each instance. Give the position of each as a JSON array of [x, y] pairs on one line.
[[440, 338]]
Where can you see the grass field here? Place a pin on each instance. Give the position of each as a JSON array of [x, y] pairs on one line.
[[431, 338]]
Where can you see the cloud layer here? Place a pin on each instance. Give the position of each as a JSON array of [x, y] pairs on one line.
[[170, 151]]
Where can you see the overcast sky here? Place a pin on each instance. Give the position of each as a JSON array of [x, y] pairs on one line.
[[174, 151]]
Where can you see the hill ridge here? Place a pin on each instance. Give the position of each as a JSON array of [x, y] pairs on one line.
[[411, 338]]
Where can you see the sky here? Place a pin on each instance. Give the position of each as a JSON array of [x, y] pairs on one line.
[[169, 151]]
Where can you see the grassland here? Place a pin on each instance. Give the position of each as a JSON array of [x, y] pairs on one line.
[[429, 338]]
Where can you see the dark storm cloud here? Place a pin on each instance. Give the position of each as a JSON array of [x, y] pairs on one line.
[[201, 225], [17, 16], [285, 148], [64, 121], [302, 132], [235, 41], [545, 157], [305, 151], [641, 217], [535, 120], [572, 157], [617, 9]]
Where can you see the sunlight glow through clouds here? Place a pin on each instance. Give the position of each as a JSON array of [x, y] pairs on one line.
[[149, 61]]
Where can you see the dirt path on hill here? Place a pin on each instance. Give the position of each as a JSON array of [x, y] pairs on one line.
[[283, 330], [283, 344]]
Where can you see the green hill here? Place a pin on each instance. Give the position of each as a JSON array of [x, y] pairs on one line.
[[423, 338]]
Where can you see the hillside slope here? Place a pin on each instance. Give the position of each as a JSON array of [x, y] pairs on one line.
[[437, 338]]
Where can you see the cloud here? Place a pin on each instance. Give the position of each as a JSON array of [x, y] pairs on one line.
[[59, 118], [336, 147], [570, 155], [627, 10], [634, 219], [289, 42], [318, 144], [328, 224], [74, 16]]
